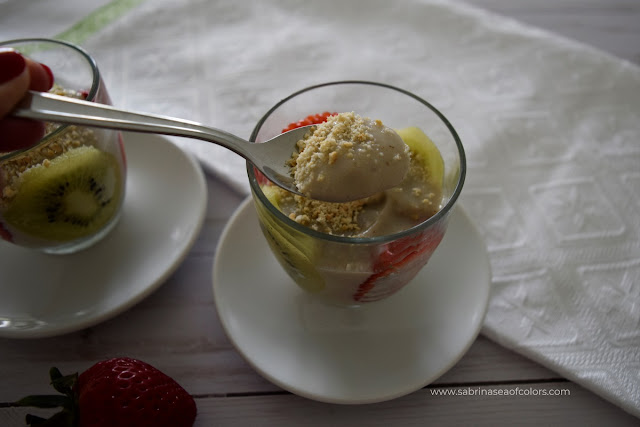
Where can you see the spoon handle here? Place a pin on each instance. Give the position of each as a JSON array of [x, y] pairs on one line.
[[63, 109]]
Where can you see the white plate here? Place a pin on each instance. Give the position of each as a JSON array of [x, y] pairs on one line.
[[343, 355], [44, 295]]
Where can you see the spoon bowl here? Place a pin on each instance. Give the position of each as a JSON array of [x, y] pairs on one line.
[[270, 157]]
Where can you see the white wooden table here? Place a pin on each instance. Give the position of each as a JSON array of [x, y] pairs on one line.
[[177, 330]]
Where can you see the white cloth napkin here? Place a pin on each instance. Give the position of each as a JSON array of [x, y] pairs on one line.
[[551, 129]]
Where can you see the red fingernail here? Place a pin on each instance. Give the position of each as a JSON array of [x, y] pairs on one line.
[[49, 73], [12, 64]]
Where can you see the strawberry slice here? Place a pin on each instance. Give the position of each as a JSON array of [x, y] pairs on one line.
[[262, 180], [406, 255], [312, 119], [400, 252]]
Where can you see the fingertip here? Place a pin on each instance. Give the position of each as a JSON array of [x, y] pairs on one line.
[[14, 79], [12, 65], [41, 76], [49, 74]]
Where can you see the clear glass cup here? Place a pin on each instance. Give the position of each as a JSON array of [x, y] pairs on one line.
[[351, 271], [65, 193]]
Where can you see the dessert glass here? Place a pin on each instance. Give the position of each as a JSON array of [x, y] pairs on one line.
[[30, 214], [352, 271]]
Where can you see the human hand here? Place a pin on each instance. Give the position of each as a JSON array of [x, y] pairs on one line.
[[17, 75]]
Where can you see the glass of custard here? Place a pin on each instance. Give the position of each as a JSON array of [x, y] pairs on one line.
[[355, 252], [65, 193]]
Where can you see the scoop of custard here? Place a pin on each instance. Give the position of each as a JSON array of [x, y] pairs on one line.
[[349, 157]]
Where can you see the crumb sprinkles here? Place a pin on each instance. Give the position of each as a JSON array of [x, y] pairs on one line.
[[348, 157], [325, 217], [40, 156]]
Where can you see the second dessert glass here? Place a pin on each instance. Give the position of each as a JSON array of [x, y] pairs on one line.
[[65, 193], [351, 271]]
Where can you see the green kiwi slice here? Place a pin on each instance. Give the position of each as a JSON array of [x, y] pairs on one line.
[[296, 263], [294, 251], [427, 151], [273, 194], [73, 196]]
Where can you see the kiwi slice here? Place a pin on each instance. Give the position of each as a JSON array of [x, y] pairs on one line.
[[293, 250], [297, 265], [272, 193], [73, 196], [424, 148]]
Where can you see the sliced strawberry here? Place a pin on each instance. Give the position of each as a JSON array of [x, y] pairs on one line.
[[262, 180], [396, 257], [312, 119], [399, 252]]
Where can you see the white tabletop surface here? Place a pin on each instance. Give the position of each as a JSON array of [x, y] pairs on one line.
[[177, 330]]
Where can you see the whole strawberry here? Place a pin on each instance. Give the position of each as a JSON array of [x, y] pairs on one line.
[[115, 392]]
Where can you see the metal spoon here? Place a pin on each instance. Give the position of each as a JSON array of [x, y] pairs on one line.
[[269, 157]]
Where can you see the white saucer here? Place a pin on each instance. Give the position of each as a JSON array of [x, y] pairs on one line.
[[45, 295], [344, 355]]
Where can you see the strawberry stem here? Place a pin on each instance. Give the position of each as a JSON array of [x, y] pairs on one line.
[[62, 383], [44, 401], [33, 420], [66, 417]]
